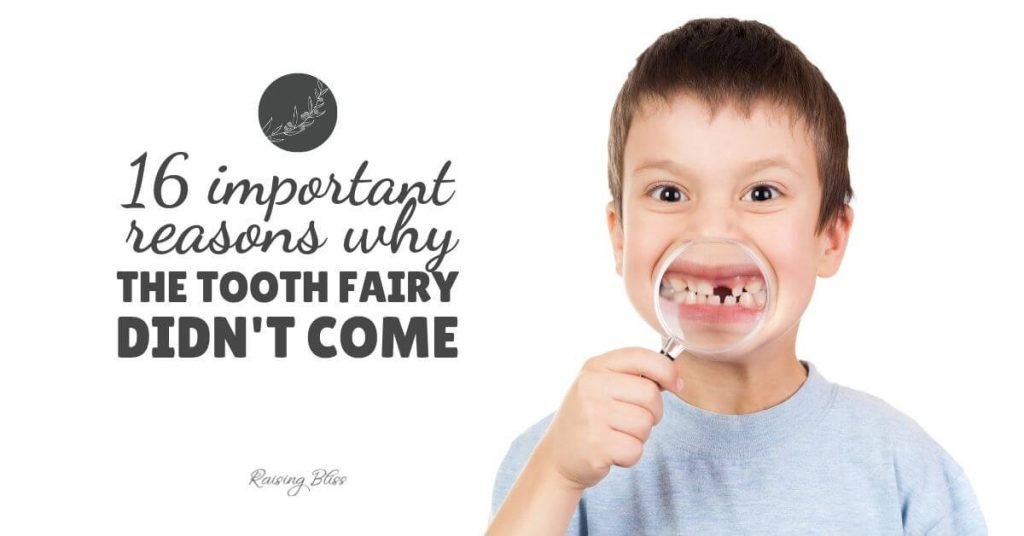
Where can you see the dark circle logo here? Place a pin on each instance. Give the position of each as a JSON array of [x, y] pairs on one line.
[[298, 112]]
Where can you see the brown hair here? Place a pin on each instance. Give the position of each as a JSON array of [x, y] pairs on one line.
[[729, 61]]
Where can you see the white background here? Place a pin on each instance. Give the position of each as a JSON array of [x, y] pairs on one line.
[[924, 313]]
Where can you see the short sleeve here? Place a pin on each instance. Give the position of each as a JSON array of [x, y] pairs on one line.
[[963, 515], [936, 495]]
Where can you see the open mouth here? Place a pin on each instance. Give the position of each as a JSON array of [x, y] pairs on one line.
[[744, 292], [723, 293]]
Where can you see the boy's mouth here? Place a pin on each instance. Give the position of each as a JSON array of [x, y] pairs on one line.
[[699, 290]]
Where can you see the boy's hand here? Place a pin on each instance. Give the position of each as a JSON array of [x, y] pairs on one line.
[[607, 415]]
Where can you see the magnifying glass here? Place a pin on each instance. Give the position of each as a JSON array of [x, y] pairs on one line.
[[711, 296]]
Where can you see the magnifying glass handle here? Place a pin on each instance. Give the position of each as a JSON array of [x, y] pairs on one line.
[[672, 345]]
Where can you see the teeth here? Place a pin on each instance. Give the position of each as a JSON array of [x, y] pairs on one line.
[[745, 292]]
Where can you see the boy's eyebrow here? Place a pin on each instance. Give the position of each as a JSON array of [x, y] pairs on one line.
[[680, 169]]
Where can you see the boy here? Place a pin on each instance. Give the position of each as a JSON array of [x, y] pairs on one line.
[[724, 129]]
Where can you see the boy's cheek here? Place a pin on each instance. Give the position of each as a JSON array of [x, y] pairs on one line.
[[640, 296], [796, 274], [643, 245], [787, 244], [643, 248]]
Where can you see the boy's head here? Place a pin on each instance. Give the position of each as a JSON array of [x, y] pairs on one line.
[[692, 129]]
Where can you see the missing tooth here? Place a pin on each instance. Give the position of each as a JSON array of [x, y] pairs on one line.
[[721, 293]]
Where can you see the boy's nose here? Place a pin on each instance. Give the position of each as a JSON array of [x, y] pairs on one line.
[[712, 218]]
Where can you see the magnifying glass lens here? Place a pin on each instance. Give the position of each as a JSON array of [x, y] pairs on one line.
[[712, 296]]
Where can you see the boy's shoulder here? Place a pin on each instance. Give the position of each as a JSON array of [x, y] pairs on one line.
[[523, 444], [922, 469], [862, 413], [935, 493], [519, 451]]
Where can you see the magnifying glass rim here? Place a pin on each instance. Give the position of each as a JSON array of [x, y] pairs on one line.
[[674, 253]]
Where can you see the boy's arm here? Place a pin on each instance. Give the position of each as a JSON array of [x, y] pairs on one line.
[[532, 499]]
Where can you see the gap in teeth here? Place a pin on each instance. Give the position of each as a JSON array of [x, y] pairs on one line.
[[744, 291]]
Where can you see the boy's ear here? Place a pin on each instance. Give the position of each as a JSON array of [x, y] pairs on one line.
[[615, 233], [833, 242]]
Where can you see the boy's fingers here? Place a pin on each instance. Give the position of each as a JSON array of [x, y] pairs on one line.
[[637, 391], [647, 363], [630, 419]]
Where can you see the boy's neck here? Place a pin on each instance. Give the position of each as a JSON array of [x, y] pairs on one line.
[[762, 380]]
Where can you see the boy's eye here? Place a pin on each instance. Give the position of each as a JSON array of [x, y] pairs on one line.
[[670, 193], [763, 192], [667, 193]]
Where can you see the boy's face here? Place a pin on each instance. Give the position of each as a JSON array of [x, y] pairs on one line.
[[686, 176]]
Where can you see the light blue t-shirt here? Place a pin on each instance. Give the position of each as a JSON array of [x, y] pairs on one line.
[[827, 460]]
